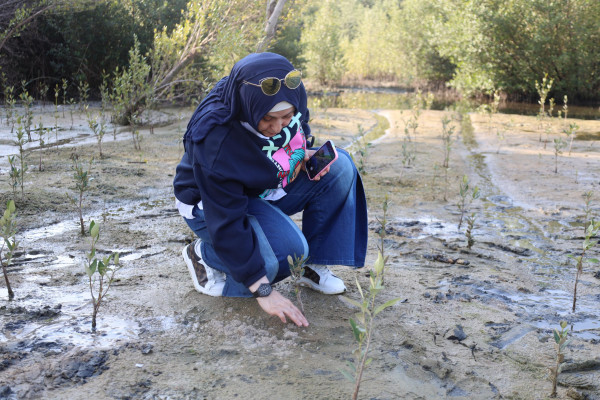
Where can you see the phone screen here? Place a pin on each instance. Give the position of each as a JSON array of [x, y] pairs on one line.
[[321, 159]]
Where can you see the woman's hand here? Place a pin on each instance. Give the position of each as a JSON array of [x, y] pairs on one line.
[[307, 154], [276, 304]]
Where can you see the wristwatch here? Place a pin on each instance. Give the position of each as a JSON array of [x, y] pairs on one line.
[[264, 289]]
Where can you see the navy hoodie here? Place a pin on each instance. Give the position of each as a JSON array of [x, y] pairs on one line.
[[224, 163]]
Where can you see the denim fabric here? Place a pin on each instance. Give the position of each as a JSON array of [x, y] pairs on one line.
[[334, 225]]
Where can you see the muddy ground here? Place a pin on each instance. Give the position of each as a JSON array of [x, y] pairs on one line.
[[472, 324]]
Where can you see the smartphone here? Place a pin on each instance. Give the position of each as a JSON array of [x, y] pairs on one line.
[[320, 160]]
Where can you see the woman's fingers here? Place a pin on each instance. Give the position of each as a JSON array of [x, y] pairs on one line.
[[276, 304]]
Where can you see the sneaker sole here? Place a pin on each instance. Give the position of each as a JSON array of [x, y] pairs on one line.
[[311, 285], [210, 292]]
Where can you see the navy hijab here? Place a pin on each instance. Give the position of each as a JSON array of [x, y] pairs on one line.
[[232, 100]]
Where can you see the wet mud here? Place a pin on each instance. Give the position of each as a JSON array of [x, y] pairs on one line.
[[473, 323]]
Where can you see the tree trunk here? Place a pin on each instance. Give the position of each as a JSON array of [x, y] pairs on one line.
[[273, 12]]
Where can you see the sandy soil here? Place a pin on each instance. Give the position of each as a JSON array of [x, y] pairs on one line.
[[473, 323]]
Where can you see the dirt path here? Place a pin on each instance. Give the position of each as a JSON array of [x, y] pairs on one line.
[[473, 324]]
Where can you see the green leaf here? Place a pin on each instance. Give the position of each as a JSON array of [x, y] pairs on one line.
[[379, 264], [385, 305], [116, 258], [10, 206], [368, 362], [347, 375], [352, 301], [556, 336], [356, 330], [594, 260], [101, 268], [563, 324], [359, 289], [94, 229], [92, 267]]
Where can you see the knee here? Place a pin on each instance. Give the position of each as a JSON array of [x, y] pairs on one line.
[[343, 171]]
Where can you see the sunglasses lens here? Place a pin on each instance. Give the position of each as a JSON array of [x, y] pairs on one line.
[[270, 86], [293, 79]]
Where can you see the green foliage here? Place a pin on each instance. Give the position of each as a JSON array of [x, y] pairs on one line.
[[447, 132], [20, 142], [82, 180], [559, 145], [100, 272], [8, 231], [321, 40], [362, 324], [560, 343], [131, 87], [467, 196], [297, 271], [591, 231], [98, 127]]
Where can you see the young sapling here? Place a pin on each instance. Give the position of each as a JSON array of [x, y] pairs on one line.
[[82, 185], [363, 326], [469, 233], [27, 101], [21, 141], [41, 131], [560, 342], [65, 85], [8, 231], [559, 145], [100, 272], [297, 272], [590, 232], [571, 132], [466, 198], [14, 174], [587, 208]]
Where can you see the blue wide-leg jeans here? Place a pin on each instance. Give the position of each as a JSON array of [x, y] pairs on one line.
[[334, 225]]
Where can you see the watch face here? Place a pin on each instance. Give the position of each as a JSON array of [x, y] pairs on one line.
[[264, 289]]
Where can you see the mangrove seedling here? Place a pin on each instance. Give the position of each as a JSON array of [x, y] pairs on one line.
[[559, 145], [363, 324], [590, 231], [20, 142], [297, 272], [83, 87], [466, 198], [469, 233], [65, 85], [447, 132], [14, 174], [587, 208], [543, 89], [571, 131], [100, 272], [27, 101], [98, 129], [8, 231], [82, 185], [560, 342], [41, 131], [9, 110]]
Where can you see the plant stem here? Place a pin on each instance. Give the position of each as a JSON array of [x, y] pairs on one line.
[[11, 294], [579, 269]]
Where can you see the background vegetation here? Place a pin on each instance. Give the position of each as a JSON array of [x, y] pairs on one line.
[[472, 46]]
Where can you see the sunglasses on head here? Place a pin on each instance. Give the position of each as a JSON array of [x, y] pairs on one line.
[[270, 86]]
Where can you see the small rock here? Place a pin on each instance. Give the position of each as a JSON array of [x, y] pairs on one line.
[[459, 334]]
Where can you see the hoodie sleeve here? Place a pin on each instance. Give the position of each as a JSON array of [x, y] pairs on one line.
[[225, 206]]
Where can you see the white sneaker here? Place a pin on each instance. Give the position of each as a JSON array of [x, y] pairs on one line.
[[206, 280], [320, 278]]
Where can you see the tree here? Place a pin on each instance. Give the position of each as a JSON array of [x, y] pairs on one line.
[[274, 9]]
